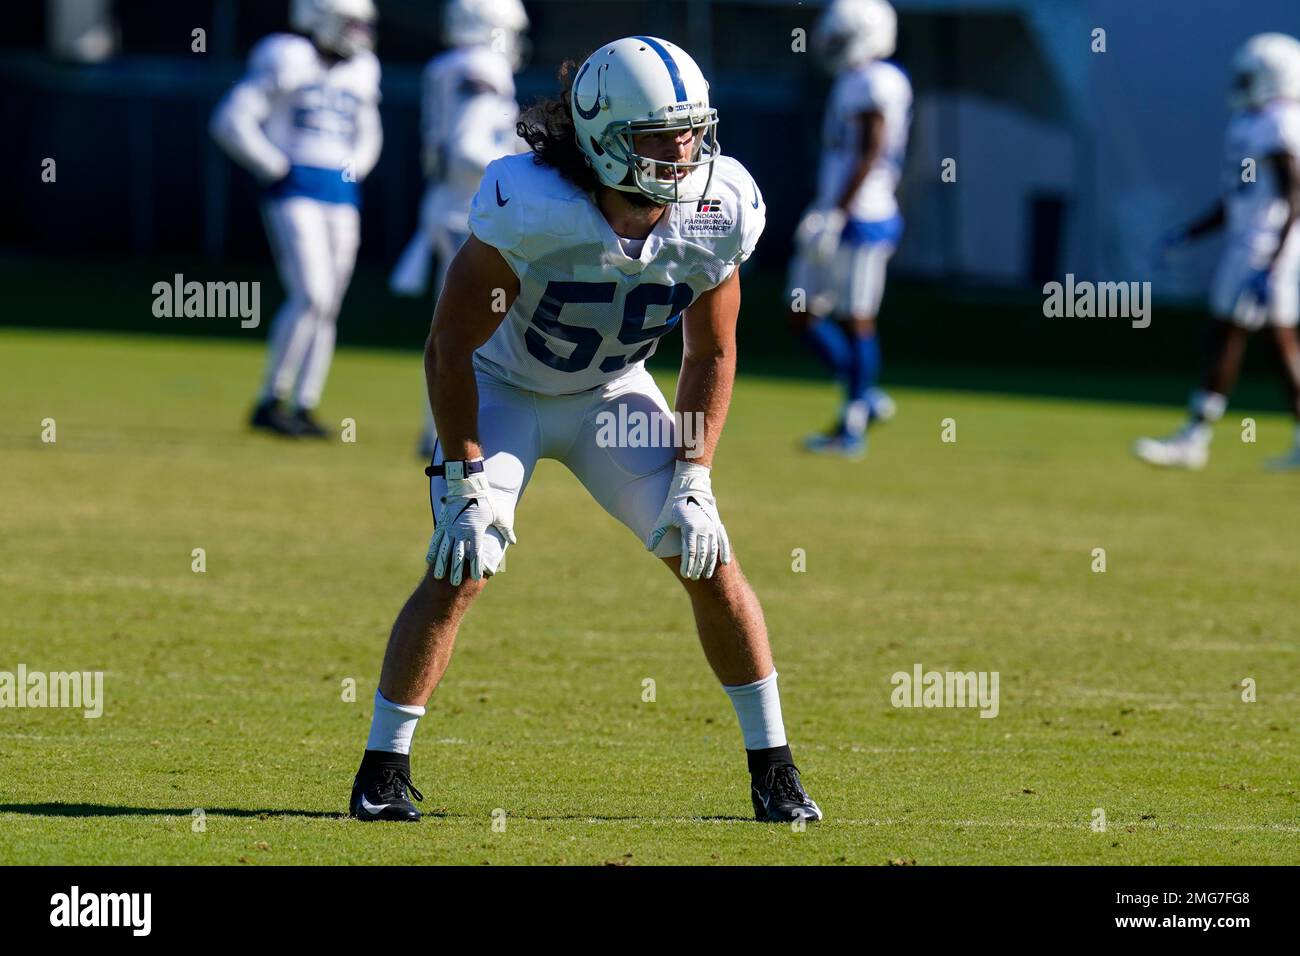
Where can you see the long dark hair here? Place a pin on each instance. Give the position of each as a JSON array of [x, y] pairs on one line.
[[547, 128]]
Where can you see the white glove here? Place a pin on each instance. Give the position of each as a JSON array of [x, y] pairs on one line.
[[818, 233], [690, 507], [470, 508]]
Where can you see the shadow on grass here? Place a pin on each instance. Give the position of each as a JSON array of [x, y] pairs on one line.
[[629, 818], [102, 810]]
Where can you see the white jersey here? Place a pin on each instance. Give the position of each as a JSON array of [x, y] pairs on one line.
[[294, 108], [588, 312], [879, 87], [1257, 211], [468, 117]]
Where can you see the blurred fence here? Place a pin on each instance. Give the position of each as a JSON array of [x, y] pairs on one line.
[[137, 173]]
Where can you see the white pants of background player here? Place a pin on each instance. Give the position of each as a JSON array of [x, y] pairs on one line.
[[518, 428], [1238, 265], [850, 284], [315, 247]]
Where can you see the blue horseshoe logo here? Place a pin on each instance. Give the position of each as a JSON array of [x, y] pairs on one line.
[[595, 106]]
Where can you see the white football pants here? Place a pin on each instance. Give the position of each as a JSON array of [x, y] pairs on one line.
[[629, 475], [315, 247], [1236, 266]]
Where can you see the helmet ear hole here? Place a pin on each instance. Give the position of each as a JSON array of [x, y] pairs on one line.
[[595, 146]]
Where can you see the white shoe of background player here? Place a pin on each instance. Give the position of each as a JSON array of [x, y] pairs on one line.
[[1188, 448]]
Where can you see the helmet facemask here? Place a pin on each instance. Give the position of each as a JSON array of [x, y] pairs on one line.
[[514, 46], [351, 35], [341, 27], [1266, 68], [342, 35], [665, 181]]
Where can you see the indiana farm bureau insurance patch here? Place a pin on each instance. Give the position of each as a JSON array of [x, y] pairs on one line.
[[708, 220]]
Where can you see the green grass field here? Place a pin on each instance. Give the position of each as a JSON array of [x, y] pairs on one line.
[[224, 690]]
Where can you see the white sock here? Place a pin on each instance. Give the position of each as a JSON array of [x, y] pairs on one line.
[[758, 708], [1208, 406], [856, 414], [393, 725]]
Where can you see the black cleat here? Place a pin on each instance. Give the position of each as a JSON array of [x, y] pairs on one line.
[[307, 425], [379, 793], [270, 416], [779, 797]]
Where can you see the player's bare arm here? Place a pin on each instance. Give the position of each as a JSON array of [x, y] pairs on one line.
[[465, 318], [479, 282], [709, 365], [820, 229], [1287, 173], [704, 394], [871, 142], [1258, 284], [1212, 221]]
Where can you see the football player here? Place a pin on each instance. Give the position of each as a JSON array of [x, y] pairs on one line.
[[847, 236], [623, 222], [468, 116], [304, 120], [1257, 282]]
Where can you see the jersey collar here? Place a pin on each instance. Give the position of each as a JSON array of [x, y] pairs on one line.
[[614, 254]]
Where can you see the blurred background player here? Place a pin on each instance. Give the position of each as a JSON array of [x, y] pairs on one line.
[[846, 238], [1257, 282], [468, 115], [305, 121]]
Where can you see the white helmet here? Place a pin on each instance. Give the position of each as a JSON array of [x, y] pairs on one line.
[[853, 32], [643, 85], [498, 24], [341, 26], [1266, 68]]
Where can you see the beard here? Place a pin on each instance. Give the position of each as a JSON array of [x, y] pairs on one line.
[[637, 198], [642, 201]]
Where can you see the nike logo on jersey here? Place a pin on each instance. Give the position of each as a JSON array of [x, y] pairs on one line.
[[755, 195], [500, 201]]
